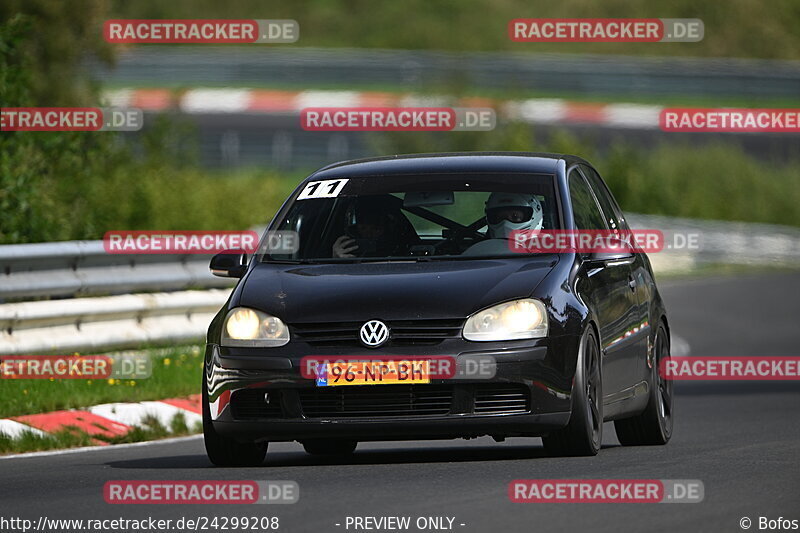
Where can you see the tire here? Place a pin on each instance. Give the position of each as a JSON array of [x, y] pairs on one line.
[[330, 447], [225, 451], [654, 425], [583, 436]]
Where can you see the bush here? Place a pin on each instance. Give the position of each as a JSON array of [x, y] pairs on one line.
[[78, 185], [45, 177]]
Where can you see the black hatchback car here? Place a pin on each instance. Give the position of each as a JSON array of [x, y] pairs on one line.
[[405, 262]]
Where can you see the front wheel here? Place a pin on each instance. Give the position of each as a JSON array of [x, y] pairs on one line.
[[584, 433], [225, 451], [654, 425]]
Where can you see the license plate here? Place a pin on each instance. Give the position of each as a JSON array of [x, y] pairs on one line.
[[373, 373]]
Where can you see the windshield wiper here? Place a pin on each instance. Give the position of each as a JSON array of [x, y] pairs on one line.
[[292, 261]]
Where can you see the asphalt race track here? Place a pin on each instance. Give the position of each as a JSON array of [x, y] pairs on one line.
[[742, 440]]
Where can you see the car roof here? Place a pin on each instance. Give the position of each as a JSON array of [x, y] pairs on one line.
[[446, 163]]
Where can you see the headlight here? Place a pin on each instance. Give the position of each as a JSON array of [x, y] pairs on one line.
[[248, 327], [520, 319]]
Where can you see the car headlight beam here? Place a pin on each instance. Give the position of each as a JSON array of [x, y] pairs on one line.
[[518, 319], [248, 327]]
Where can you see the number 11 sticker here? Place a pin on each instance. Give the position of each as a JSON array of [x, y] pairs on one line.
[[323, 189]]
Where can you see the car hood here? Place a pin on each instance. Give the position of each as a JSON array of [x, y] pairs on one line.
[[389, 291]]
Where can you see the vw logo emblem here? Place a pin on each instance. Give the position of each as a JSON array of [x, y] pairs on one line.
[[374, 333]]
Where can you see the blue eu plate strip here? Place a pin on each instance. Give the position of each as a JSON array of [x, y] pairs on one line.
[[322, 375]]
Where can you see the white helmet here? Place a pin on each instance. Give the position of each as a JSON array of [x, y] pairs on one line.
[[509, 211]]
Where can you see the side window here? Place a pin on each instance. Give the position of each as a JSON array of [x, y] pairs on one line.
[[584, 208], [609, 206]]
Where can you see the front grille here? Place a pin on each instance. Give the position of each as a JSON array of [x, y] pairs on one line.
[[354, 401], [502, 398], [249, 404], [372, 400], [426, 332]]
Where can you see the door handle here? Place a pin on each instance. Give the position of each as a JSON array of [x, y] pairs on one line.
[[632, 282]]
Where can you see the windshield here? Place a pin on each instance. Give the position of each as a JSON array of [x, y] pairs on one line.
[[416, 217]]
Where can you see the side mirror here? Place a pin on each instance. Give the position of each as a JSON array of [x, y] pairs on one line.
[[229, 264]]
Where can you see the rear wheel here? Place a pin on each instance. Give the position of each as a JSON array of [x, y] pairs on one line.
[[584, 433], [330, 447], [225, 451], [654, 425]]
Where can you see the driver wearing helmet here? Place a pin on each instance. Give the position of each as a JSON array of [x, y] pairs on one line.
[[374, 227], [507, 212]]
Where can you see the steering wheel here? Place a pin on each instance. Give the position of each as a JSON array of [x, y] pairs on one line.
[[452, 242]]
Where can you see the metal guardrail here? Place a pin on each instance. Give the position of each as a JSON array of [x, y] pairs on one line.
[[67, 271], [95, 324], [720, 242], [87, 299], [621, 76], [83, 268]]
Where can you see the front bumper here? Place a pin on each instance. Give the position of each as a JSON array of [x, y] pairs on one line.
[[253, 396], [376, 429]]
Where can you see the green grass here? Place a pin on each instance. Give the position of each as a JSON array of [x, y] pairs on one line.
[[31, 442], [176, 373], [152, 429]]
